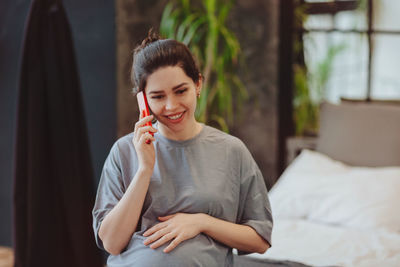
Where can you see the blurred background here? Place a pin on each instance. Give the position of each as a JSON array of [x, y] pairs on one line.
[[269, 65]]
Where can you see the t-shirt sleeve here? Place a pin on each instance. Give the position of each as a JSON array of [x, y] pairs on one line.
[[254, 205], [109, 192]]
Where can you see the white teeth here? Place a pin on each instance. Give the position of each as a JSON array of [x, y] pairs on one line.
[[175, 117]]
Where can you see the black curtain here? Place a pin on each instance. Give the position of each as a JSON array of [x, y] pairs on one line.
[[53, 183]]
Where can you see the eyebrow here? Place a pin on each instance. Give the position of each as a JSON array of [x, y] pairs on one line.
[[173, 88]]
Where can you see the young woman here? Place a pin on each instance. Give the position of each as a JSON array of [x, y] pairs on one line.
[[191, 194]]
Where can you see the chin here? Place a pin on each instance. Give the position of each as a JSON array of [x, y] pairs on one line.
[[175, 128]]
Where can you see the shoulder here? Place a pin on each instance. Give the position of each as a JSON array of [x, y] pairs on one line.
[[235, 151], [122, 157], [122, 147], [230, 142], [124, 141]]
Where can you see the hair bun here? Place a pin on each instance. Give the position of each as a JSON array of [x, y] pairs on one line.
[[152, 37]]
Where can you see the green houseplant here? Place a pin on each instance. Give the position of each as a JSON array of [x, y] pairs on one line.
[[310, 82], [202, 26], [310, 85]]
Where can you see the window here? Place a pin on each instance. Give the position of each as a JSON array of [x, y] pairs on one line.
[[351, 49]]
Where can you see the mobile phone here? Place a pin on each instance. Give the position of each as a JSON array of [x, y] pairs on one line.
[[144, 108]]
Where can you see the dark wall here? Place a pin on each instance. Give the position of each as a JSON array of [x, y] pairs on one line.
[[92, 24], [12, 17], [256, 24]]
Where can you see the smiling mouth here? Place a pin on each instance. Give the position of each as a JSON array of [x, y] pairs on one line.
[[176, 116]]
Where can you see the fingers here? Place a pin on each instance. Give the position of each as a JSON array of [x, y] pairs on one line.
[[174, 243], [142, 121], [162, 240], [162, 233], [165, 218], [154, 229], [146, 138], [156, 236], [142, 133], [145, 129], [163, 236]]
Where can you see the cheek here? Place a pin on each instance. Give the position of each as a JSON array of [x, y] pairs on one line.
[[155, 107], [191, 100], [194, 102]]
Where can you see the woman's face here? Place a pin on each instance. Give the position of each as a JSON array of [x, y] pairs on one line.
[[171, 95]]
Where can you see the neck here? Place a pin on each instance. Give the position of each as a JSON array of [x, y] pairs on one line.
[[189, 132]]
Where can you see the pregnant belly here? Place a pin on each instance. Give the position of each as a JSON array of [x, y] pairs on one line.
[[198, 251]]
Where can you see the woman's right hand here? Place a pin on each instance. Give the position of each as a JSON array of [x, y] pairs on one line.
[[145, 151]]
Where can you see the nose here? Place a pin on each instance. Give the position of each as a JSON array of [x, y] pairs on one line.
[[171, 103]]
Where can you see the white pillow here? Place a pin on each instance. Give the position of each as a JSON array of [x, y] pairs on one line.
[[317, 188]]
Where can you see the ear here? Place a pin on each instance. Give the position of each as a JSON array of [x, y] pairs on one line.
[[199, 84]]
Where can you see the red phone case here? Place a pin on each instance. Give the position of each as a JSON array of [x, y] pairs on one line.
[[144, 108]]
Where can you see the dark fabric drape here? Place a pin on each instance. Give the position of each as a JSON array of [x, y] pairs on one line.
[[53, 183]]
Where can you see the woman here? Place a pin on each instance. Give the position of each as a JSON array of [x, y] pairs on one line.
[[192, 193]]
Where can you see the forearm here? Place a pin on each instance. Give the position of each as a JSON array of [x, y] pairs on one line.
[[120, 223], [241, 237]]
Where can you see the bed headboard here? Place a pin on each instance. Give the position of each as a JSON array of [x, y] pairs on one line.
[[360, 133], [357, 133]]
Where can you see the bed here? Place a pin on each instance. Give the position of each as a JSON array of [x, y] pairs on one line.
[[338, 203]]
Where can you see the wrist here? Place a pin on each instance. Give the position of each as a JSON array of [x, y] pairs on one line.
[[204, 222], [145, 172]]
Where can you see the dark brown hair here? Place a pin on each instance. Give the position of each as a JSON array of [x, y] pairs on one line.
[[154, 53]]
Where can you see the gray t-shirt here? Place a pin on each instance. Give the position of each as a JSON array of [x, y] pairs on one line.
[[212, 173]]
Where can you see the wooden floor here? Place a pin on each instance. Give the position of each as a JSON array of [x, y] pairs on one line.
[[6, 257]]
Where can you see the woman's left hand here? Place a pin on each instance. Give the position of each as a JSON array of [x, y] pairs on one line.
[[177, 227]]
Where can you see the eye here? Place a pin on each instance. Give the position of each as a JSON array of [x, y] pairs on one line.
[[157, 97], [181, 91]]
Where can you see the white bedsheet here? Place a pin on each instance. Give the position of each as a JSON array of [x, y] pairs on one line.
[[321, 245], [327, 213]]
